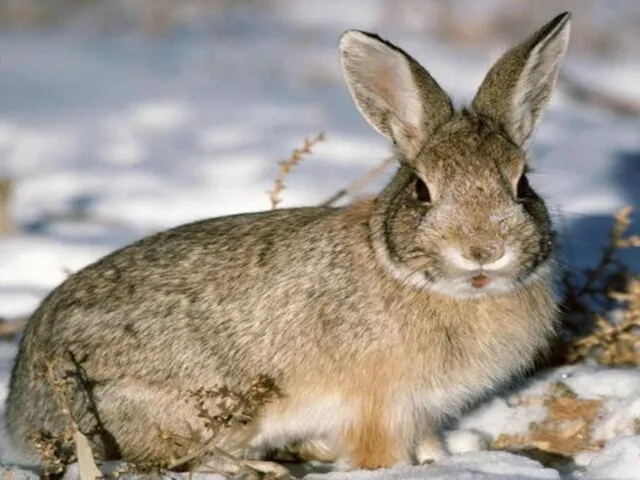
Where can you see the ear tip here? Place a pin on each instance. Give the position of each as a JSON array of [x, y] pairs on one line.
[[354, 36], [563, 20]]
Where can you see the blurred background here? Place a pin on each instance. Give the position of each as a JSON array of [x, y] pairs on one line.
[[119, 118]]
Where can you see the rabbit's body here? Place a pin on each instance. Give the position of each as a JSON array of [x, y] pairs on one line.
[[389, 360], [374, 320]]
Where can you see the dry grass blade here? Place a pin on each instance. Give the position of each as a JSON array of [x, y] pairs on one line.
[[359, 183], [87, 468], [287, 165]]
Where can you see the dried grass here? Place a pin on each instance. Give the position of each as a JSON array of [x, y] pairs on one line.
[[287, 165], [565, 431], [59, 451], [223, 411], [588, 332]]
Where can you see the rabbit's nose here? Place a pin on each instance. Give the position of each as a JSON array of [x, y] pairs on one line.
[[485, 254]]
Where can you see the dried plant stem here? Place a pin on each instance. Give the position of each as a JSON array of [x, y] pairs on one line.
[[87, 468], [617, 241], [622, 224], [6, 190], [288, 164], [206, 447], [58, 393], [360, 182]]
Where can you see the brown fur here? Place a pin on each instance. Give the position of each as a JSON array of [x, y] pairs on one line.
[[372, 331]]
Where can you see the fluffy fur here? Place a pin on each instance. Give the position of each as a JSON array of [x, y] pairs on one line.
[[368, 317]]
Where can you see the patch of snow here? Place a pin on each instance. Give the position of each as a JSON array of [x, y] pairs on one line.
[[619, 460], [469, 466]]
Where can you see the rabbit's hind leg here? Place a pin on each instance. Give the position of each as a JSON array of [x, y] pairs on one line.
[[152, 423]]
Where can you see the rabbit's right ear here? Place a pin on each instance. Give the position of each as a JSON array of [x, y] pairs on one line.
[[392, 91]]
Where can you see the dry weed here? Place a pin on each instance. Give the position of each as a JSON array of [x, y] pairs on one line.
[[59, 451], [565, 431], [222, 410], [287, 165], [615, 344], [608, 342]]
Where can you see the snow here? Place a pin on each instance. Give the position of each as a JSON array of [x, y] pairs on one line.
[[112, 137], [470, 466], [617, 461]]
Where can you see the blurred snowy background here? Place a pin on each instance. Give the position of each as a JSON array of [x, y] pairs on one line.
[[119, 118]]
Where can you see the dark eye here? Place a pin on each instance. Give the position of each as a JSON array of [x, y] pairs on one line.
[[422, 192], [524, 190]]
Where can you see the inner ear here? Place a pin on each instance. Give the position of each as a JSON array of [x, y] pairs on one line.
[[392, 91]]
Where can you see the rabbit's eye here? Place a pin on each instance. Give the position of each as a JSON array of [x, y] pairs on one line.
[[422, 191], [524, 190]]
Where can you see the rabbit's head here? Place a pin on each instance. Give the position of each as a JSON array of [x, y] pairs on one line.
[[460, 216]]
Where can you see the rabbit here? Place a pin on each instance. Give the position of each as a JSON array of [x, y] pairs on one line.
[[376, 320]]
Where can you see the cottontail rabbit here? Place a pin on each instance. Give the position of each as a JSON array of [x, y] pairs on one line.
[[374, 320]]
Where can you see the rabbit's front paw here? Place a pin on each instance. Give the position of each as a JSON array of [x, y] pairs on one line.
[[430, 450]]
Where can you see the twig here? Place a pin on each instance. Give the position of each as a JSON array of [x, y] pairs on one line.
[[610, 101], [617, 241], [206, 447], [288, 164], [359, 183]]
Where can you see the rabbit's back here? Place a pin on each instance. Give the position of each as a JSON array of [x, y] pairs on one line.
[[198, 290]]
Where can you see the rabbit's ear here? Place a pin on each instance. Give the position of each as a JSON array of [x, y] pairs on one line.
[[392, 91], [518, 87]]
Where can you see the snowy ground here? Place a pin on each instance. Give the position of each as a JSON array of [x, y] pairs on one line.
[[109, 138]]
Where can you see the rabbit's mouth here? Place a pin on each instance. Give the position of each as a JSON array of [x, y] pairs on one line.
[[476, 284], [480, 281]]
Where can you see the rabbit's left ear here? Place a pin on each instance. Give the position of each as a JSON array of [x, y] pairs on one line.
[[392, 91], [518, 87]]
